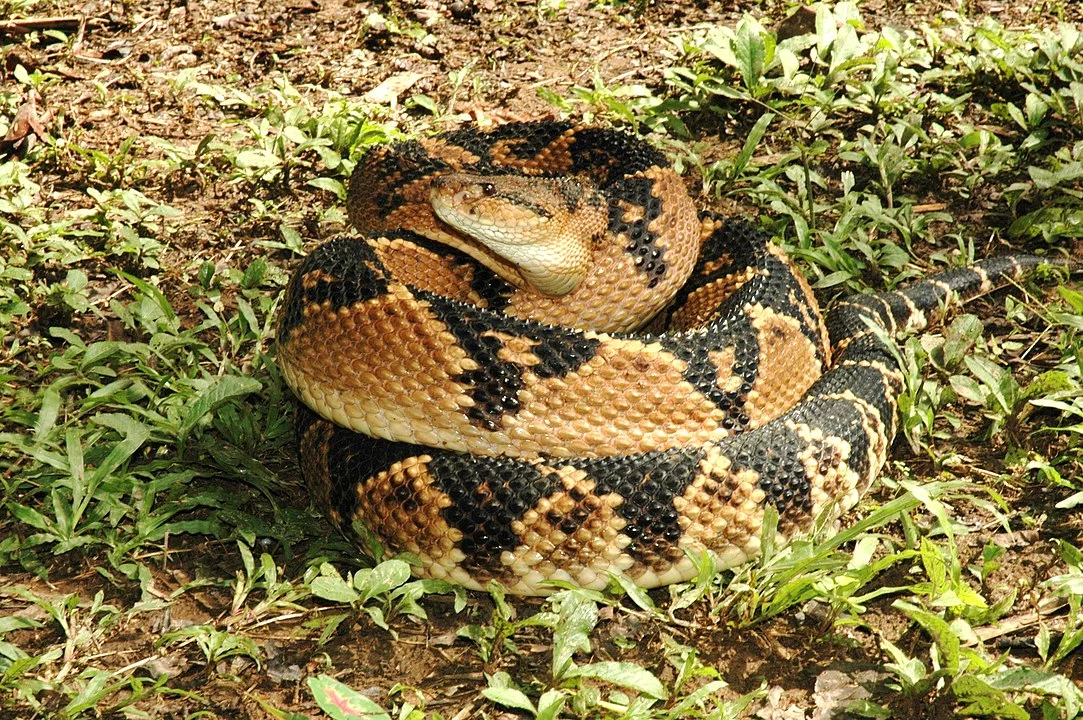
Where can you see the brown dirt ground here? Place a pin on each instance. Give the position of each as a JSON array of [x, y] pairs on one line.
[[114, 86]]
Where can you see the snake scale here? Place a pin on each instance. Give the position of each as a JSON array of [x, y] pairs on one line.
[[500, 423]]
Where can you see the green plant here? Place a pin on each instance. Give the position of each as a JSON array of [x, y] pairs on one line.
[[387, 584]]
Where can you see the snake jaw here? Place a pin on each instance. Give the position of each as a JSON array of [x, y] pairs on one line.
[[545, 227]]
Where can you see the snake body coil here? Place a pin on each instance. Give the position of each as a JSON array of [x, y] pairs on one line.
[[500, 433]]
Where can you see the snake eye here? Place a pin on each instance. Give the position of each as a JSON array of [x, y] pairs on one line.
[[488, 189]]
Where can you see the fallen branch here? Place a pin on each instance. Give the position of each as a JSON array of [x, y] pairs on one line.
[[29, 25]]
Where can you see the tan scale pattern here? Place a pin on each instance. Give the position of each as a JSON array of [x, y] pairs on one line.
[[556, 157], [314, 451], [722, 509], [808, 304], [783, 348], [834, 484], [406, 389], [415, 265], [702, 305], [596, 412], [379, 368], [454, 155], [582, 556], [402, 387], [402, 507]]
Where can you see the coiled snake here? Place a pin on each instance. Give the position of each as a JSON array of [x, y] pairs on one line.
[[489, 407]]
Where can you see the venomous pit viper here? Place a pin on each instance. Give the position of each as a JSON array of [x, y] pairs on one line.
[[491, 405]]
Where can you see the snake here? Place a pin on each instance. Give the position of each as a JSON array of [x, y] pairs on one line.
[[538, 361]]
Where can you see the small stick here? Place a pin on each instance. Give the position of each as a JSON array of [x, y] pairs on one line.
[[29, 25]]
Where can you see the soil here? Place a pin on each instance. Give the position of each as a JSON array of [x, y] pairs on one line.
[[116, 84]]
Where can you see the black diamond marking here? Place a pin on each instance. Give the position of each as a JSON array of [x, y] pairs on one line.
[[745, 246], [865, 382], [648, 484], [495, 385], [353, 458], [407, 161], [702, 372], [642, 243], [607, 156], [572, 192], [344, 271], [842, 419], [487, 495], [524, 141], [773, 453]]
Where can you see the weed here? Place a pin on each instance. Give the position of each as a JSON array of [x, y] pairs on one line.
[[388, 584]]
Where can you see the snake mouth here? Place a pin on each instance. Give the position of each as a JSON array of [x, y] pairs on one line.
[[540, 225]]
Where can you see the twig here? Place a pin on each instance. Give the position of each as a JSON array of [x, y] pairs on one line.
[[29, 25]]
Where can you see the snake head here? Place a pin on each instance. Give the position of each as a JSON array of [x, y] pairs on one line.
[[546, 227]]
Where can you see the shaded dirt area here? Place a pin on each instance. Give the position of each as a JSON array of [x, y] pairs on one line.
[[481, 58]]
